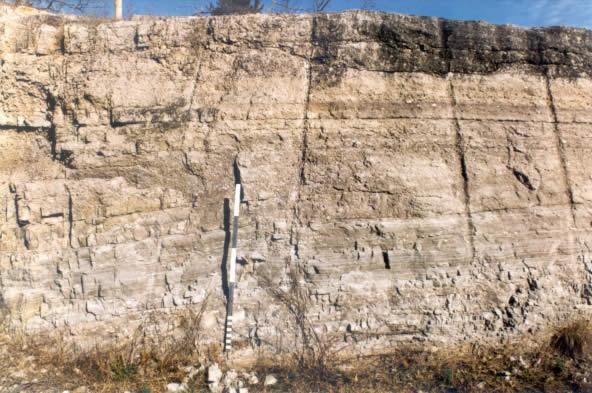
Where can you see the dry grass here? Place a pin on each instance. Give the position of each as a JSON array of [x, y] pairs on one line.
[[574, 340], [558, 361], [145, 363]]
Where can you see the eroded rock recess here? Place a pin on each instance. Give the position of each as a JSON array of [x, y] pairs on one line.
[[415, 178]]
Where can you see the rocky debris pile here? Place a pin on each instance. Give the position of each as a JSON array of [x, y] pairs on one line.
[[232, 381], [217, 379]]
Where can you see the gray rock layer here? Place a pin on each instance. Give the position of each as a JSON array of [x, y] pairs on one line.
[[405, 178]]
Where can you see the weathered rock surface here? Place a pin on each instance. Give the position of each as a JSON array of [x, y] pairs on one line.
[[421, 178]]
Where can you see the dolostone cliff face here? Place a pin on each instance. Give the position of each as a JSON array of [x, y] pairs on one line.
[[405, 178]]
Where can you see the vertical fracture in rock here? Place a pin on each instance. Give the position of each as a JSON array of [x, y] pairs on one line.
[[304, 146], [463, 170], [560, 147]]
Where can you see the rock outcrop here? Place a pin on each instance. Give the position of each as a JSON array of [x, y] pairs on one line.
[[405, 178]]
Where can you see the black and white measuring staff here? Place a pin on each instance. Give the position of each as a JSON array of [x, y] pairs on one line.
[[231, 280]]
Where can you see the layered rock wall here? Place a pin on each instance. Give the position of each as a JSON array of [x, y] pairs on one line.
[[417, 178]]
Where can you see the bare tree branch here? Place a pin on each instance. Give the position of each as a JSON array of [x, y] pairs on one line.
[[56, 5], [270, 9], [294, 7], [320, 5], [367, 4], [230, 7]]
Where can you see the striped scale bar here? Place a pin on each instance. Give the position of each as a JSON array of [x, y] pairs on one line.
[[231, 280]]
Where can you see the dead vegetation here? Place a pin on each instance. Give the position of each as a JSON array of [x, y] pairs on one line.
[[574, 340], [145, 363], [314, 348], [313, 359], [557, 361]]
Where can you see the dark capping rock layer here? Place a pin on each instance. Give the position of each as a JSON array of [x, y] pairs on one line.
[[386, 42]]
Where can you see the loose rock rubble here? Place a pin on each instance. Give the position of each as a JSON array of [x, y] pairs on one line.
[[219, 381]]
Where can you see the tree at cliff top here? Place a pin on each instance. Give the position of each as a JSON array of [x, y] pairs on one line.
[[294, 6], [55, 5], [228, 7]]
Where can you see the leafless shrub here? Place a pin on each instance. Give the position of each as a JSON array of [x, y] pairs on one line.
[[317, 352], [295, 6], [57, 5], [367, 4], [320, 5]]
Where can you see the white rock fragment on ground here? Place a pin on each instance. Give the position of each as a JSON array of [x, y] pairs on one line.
[[215, 387], [270, 380], [252, 378], [230, 377], [214, 373], [176, 387]]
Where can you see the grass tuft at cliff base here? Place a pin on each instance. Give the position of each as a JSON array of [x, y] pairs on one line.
[[557, 361]]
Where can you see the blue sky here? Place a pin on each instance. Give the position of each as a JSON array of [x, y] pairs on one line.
[[519, 12]]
